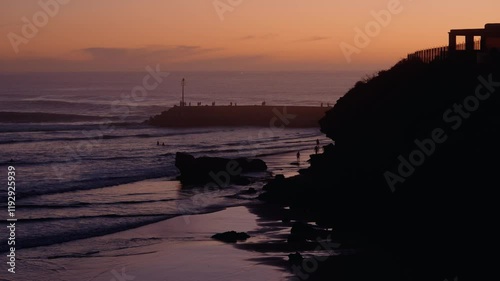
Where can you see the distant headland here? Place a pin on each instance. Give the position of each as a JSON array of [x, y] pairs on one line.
[[240, 116]]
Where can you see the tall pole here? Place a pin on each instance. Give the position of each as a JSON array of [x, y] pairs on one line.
[[183, 83]]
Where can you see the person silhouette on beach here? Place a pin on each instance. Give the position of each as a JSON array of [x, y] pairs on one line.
[[158, 143], [317, 142], [316, 149], [298, 156], [163, 144]]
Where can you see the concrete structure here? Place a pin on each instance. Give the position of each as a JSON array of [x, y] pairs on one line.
[[278, 117], [479, 46], [489, 38]]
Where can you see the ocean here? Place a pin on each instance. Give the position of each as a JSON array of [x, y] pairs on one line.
[[86, 164]]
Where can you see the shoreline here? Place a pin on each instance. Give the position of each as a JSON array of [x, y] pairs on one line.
[[278, 164], [78, 257], [179, 248]]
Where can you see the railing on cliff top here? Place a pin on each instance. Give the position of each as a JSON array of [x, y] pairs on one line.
[[439, 53]]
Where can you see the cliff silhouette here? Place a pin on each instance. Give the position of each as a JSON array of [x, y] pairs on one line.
[[410, 180]]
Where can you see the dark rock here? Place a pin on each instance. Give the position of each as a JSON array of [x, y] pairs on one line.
[[304, 230], [284, 190], [286, 216], [295, 259], [231, 236], [240, 180], [251, 190], [279, 177], [220, 171], [296, 239]]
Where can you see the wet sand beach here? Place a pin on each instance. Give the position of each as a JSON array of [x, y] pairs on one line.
[[178, 249]]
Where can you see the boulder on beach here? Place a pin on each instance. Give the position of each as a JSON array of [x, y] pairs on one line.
[[231, 236], [249, 191], [305, 230], [295, 259], [296, 240], [220, 171]]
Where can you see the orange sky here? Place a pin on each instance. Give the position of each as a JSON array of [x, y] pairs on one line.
[[110, 35]]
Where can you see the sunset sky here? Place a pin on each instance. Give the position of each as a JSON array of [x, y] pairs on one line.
[[127, 35]]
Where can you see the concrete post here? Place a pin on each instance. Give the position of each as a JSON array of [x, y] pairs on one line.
[[469, 42], [453, 42]]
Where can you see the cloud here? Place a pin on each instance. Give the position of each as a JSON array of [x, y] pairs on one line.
[[39, 64], [314, 39], [106, 53], [155, 52], [137, 58], [111, 59], [182, 57], [269, 36], [266, 36], [249, 37], [235, 62], [170, 58]]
